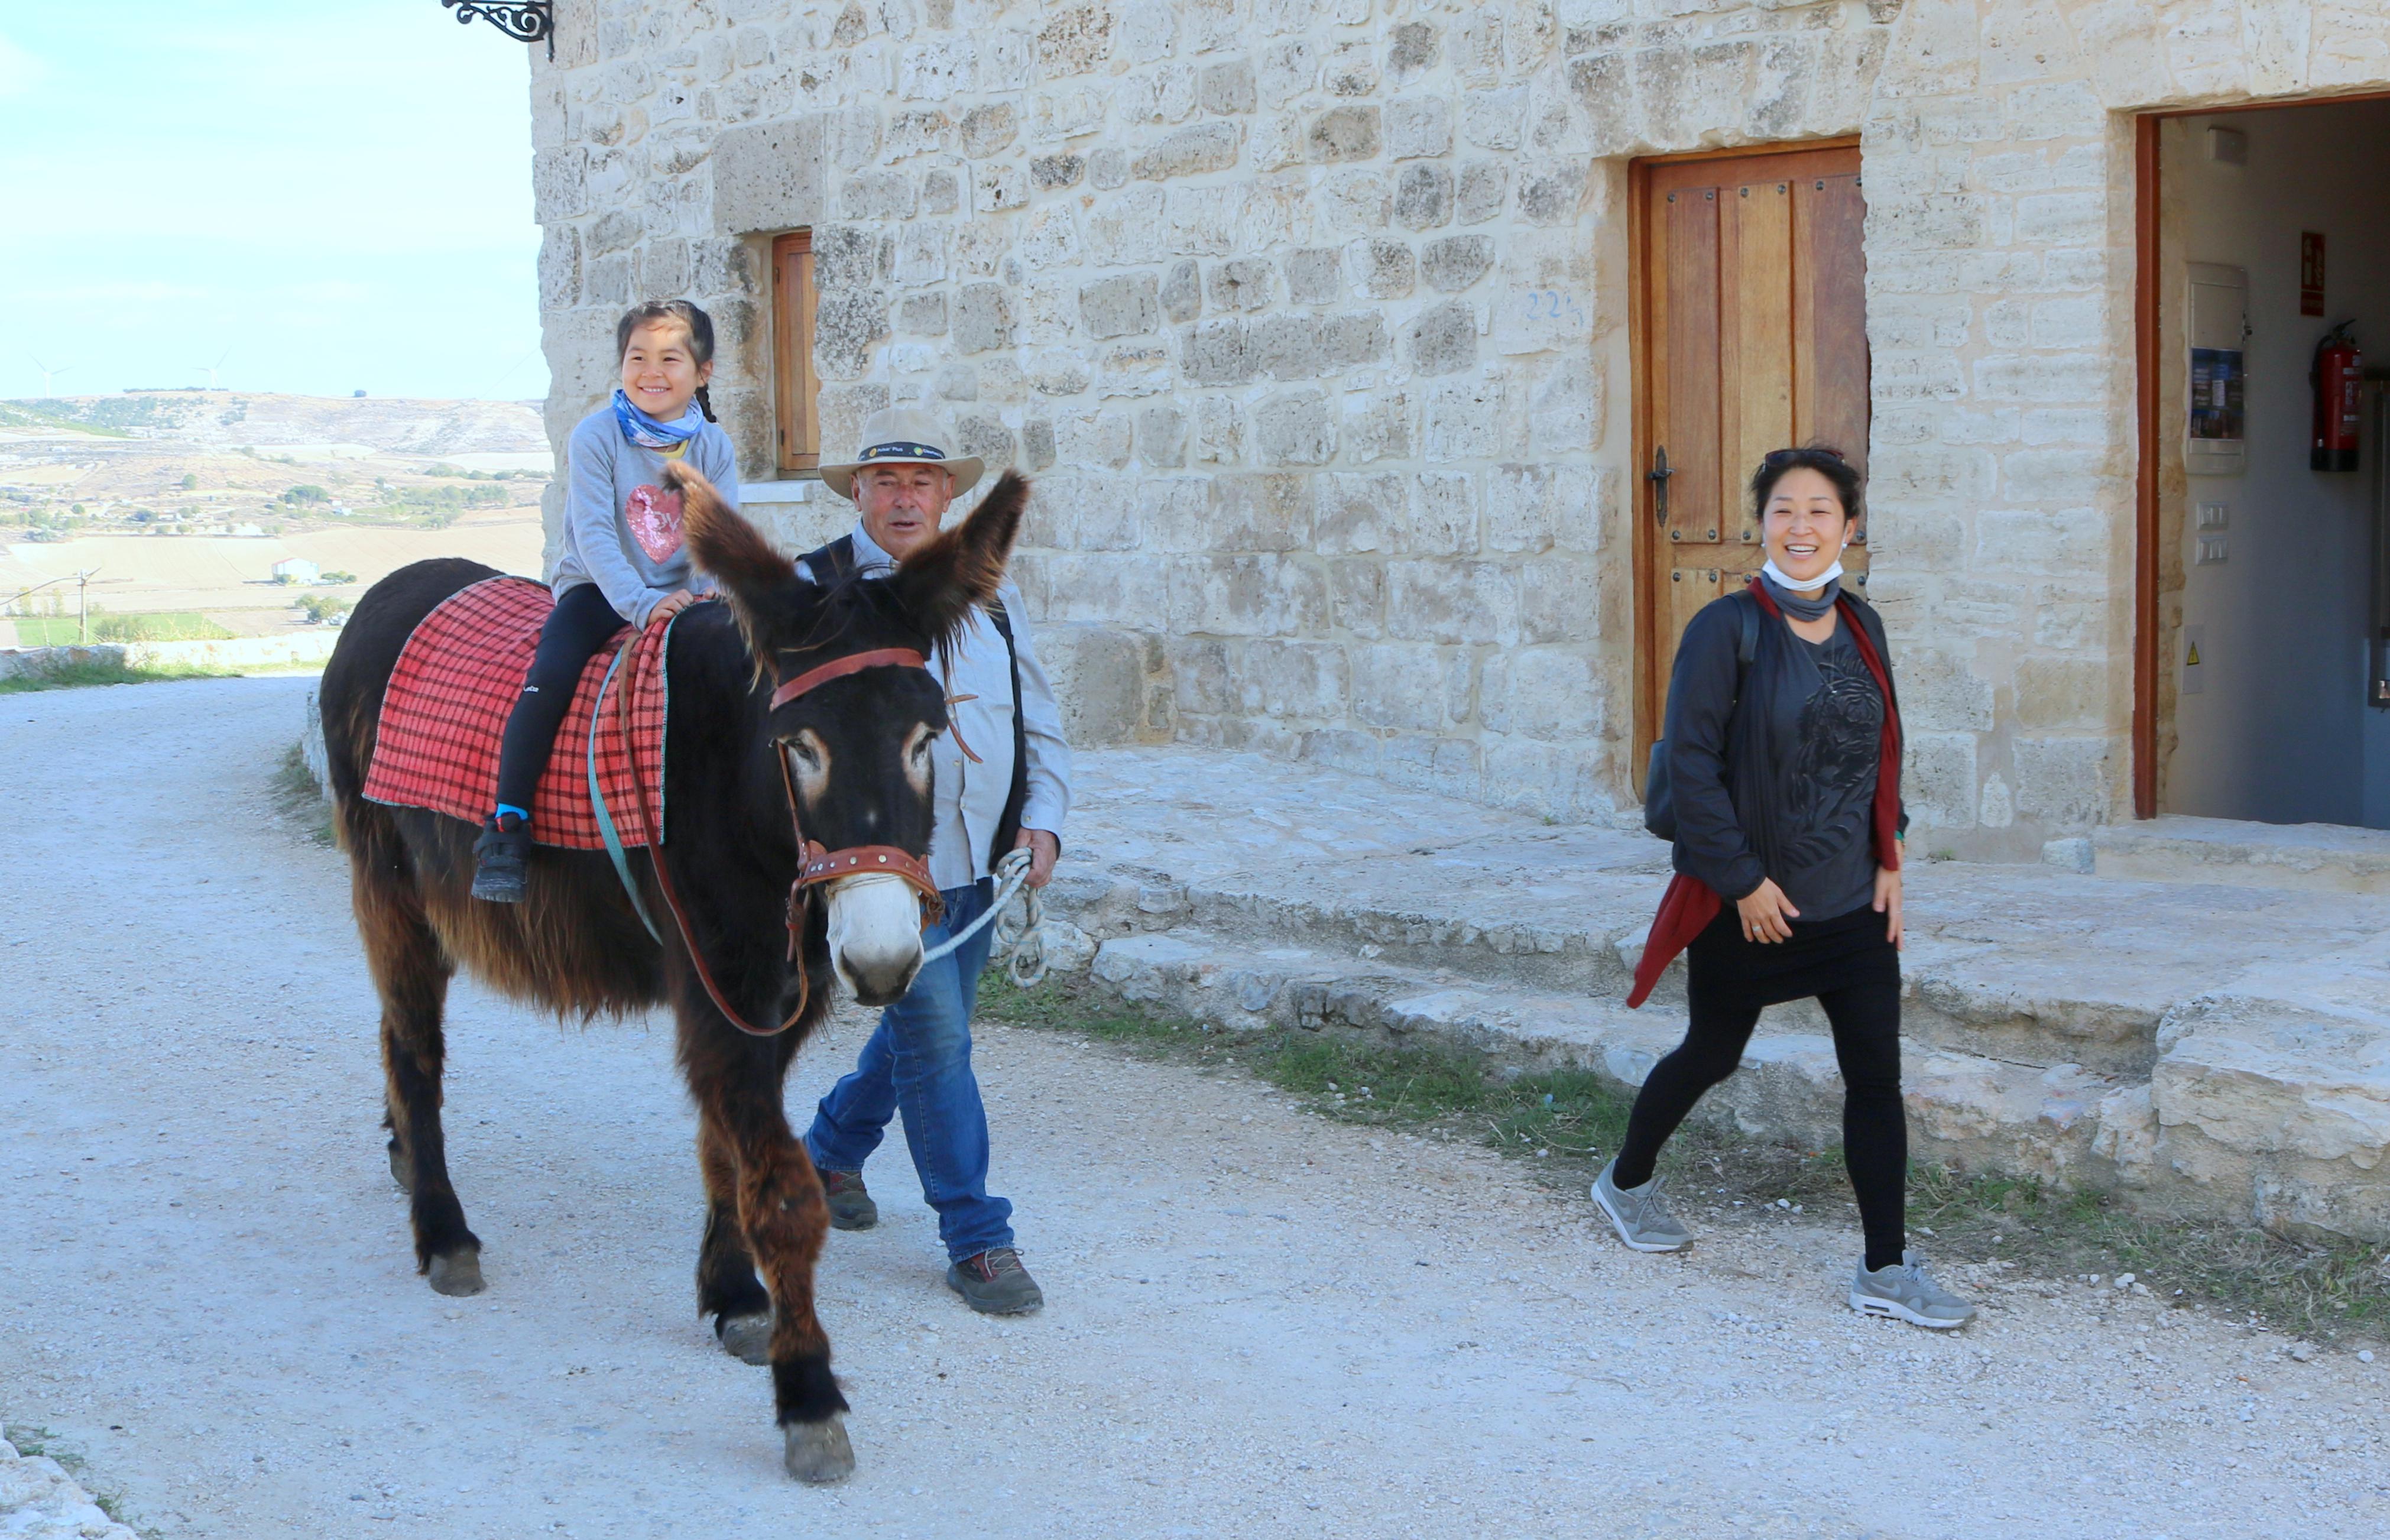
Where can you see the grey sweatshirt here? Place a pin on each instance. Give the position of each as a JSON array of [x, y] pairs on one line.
[[621, 528]]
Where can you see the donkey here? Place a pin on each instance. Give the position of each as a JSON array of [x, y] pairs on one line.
[[793, 707]]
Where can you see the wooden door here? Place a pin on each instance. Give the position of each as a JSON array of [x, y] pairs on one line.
[[1750, 335]]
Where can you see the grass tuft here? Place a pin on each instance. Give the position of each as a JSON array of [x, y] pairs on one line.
[[85, 676], [1564, 1123]]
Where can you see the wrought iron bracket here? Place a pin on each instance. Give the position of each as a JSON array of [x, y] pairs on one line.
[[525, 21]]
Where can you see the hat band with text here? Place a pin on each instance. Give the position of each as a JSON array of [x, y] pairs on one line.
[[901, 451]]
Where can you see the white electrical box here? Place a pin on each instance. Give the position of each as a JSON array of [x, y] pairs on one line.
[[2216, 314]]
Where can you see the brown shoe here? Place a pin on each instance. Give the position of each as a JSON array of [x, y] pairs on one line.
[[851, 1207], [993, 1283]]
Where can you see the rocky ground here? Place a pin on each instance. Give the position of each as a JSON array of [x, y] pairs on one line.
[[1262, 1323]]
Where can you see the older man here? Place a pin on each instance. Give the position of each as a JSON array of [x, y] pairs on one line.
[[1010, 787]]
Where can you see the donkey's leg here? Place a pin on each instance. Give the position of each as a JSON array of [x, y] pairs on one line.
[[727, 1289], [786, 1218], [411, 971]]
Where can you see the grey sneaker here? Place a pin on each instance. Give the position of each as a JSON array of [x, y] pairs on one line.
[[851, 1207], [993, 1283], [1641, 1213], [1906, 1293]]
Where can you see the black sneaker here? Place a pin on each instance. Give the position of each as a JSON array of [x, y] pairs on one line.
[[851, 1207], [498, 858], [993, 1283]]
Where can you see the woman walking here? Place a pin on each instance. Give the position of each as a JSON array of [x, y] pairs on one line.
[[1782, 756]]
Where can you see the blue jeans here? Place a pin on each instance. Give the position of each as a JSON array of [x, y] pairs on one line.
[[919, 1062]]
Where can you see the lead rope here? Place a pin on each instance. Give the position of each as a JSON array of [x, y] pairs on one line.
[[1019, 943]]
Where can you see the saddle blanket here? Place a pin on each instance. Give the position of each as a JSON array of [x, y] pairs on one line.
[[459, 675]]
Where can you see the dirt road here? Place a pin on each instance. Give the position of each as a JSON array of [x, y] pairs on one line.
[[1260, 1322]]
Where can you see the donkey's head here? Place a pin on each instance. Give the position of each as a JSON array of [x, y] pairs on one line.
[[855, 741]]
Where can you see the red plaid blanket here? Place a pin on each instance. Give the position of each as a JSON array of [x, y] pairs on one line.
[[457, 678]]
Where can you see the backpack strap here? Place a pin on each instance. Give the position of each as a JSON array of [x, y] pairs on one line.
[[1008, 829]]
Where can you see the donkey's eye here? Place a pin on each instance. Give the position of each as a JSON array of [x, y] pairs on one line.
[[809, 759], [916, 756]]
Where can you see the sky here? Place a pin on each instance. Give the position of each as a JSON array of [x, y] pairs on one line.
[[316, 199]]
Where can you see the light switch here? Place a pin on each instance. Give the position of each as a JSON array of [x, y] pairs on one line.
[[2212, 550], [2214, 516]]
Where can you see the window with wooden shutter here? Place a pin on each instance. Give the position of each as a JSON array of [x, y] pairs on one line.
[[794, 387]]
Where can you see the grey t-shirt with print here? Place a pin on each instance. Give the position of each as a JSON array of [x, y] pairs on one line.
[[622, 526]]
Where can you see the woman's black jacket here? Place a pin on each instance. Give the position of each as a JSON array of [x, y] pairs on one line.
[[1730, 780]]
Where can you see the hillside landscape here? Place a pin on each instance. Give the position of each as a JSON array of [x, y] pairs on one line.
[[181, 505]]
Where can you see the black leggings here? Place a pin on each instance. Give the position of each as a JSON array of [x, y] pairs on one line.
[[1860, 987], [576, 628]]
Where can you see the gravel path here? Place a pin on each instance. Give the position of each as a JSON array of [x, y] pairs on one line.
[[1262, 1323]]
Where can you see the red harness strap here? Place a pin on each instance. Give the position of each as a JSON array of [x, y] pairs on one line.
[[854, 662], [1688, 905]]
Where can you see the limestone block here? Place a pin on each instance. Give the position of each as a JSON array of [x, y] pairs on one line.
[[1379, 424], [1472, 418], [845, 257], [770, 177], [1287, 346], [1344, 133], [1354, 199], [1241, 284], [1392, 687], [1423, 197], [1247, 596], [882, 194], [2060, 543], [1546, 693], [940, 191], [1494, 120], [1188, 151], [1219, 431], [2063, 692], [1360, 512], [1149, 30], [1199, 674], [1304, 680], [1206, 25], [1107, 166], [1456, 263], [1560, 600], [1050, 239], [1163, 94], [1099, 676], [1182, 293], [1161, 436], [919, 130], [1075, 40], [1444, 516], [1442, 340], [1564, 404], [1126, 306], [1349, 68], [2127, 1136], [1226, 88], [1093, 439], [1296, 428], [559, 183], [1058, 372], [559, 267], [1452, 601], [1937, 783], [996, 185], [1313, 276], [1356, 597], [1055, 173], [982, 319], [1485, 186], [2069, 476], [1268, 511], [1215, 352], [1418, 127], [2063, 781], [2272, 1076], [1037, 443], [1940, 693], [1100, 589], [1382, 267], [922, 255]]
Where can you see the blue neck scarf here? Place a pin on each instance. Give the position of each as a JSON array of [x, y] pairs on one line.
[[647, 432]]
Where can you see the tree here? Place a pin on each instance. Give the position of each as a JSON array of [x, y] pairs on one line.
[[190, 479]]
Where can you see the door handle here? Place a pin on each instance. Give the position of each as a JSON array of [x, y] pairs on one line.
[[1658, 476]]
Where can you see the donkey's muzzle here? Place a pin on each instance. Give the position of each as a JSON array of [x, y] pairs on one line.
[[875, 936]]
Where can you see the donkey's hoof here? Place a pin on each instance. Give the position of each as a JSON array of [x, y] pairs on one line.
[[458, 1273], [401, 1170], [818, 1452], [746, 1338]]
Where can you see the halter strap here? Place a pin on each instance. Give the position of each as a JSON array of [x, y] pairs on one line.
[[854, 662]]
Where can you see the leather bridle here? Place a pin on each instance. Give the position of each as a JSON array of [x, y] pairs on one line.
[[817, 866]]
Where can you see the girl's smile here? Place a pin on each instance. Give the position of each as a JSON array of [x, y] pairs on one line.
[[660, 374]]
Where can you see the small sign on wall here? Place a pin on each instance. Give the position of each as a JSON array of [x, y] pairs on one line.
[[2218, 324], [2310, 271]]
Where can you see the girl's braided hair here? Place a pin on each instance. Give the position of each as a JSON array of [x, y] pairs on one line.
[[700, 335]]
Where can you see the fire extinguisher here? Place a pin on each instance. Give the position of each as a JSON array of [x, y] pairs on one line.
[[2338, 379]]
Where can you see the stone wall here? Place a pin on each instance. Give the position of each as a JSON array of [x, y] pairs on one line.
[[1310, 314]]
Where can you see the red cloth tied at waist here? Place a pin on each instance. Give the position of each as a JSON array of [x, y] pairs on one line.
[[459, 678], [1688, 905]]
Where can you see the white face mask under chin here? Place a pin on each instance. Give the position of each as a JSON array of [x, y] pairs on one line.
[[1803, 585]]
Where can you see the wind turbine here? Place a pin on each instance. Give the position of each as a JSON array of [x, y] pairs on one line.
[[49, 371], [211, 368]]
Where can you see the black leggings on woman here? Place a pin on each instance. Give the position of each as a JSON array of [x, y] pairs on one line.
[[1854, 972], [576, 628]]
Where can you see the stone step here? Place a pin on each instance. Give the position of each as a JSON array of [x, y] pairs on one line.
[[1964, 1109], [2320, 858], [2118, 1033]]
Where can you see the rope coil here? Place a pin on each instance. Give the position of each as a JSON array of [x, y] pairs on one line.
[[1020, 942]]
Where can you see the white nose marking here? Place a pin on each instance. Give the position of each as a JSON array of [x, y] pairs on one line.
[[875, 931]]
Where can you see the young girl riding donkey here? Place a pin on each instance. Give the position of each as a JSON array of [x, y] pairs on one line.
[[624, 558]]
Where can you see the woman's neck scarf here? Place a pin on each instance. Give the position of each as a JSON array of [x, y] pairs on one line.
[[1786, 591], [1688, 905], [648, 434]]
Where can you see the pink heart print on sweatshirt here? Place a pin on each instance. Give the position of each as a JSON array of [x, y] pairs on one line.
[[654, 516]]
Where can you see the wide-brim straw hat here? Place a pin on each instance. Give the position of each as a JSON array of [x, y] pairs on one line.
[[903, 435]]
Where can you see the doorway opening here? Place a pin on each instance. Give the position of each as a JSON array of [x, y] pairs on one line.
[[1748, 326], [2265, 561]]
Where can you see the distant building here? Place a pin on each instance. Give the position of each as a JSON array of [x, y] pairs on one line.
[[296, 570], [249, 532]]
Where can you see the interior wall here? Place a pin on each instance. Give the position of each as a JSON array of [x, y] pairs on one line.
[[2280, 732]]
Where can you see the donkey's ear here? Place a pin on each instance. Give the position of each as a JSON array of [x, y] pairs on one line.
[[754, 578], [958, 572]]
